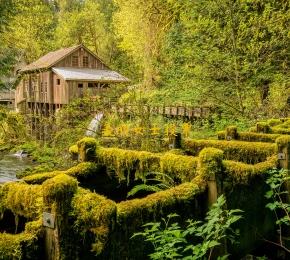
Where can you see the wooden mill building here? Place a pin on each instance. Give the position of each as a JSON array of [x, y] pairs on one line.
[[59, 77]]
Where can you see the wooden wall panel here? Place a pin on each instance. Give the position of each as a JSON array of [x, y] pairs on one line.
[[93, 62]]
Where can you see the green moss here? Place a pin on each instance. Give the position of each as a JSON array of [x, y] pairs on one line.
[[39, 178], [59, 191], [94, 214], [179, 166], [17, 246], [84, 169], [258, 137], [263, 127], [22, 199], [221, 135], [210, 162], [134, 209], [241, 173], [123, 162], [274, 122], [247, 152], [74, 150], [283, 141], [281, 130], [231, 133], [87, 149]]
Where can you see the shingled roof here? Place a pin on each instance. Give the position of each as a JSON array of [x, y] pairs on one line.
[[49, 59]]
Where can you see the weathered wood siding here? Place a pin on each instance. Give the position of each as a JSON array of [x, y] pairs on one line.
[[93, 62], [60, 91]]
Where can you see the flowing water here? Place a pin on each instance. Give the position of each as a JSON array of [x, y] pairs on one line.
[[10, 165], [94, 126]]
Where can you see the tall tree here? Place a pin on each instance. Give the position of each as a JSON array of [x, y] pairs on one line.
[[229, 52], [83, 22], [31, 29], [141, 25]]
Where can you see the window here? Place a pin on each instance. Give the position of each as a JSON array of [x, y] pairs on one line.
[[75, 61], [104, 85], [85, 61], [57, 81], [92, 85]]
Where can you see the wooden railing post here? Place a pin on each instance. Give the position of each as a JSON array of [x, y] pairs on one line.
[[231, 133], [210, 167], [283, 145]]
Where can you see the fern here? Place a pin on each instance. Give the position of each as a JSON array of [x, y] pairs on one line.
[[165, 182]]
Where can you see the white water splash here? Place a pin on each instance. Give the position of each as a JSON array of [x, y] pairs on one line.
[[94, 125]]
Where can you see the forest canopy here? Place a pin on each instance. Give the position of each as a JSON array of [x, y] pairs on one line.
[[232, 55]]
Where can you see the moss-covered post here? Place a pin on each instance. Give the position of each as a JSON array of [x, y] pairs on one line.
[[210, 167], [231, 133], [283, 145], [57, 196], [87, 149], [263, 127]]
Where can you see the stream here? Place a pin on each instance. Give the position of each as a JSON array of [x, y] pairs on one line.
[[10, 165]]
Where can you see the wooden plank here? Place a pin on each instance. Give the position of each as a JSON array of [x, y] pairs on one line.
[[167, 110], [173, 111]]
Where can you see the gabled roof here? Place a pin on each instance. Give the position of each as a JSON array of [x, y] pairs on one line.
[[49, 59], [86, 74]]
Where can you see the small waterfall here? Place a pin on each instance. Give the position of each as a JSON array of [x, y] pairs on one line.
[[94, 125]]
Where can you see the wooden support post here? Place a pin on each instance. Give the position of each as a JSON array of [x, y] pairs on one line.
[[283, 145], [57, 197], [210, 167]]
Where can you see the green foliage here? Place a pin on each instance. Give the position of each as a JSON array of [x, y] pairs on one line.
[[173, 242], [252, 137], [12, 126], [278, 181], [224, 53], [23, 31], [263, 127], [160, 181]]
